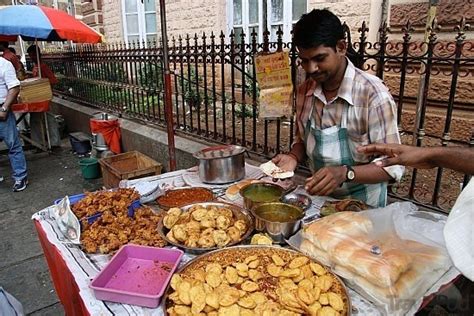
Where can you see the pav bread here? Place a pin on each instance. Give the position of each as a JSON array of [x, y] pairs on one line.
[[308, 248], [328, 231]]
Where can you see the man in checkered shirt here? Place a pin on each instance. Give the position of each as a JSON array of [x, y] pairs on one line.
[[339, 108]]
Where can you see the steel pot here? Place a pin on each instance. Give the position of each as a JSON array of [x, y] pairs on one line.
[[221, 164], [278, 228]]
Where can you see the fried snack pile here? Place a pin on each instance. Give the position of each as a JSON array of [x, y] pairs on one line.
[[346, 205], [204, 226], [257, 285], [100, 201], [110, 231], [114, 227]]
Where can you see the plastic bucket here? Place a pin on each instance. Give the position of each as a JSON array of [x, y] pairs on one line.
[[80, 147], [90, 168]]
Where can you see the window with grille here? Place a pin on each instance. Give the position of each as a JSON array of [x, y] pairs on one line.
[[253, 15], [139, 20]]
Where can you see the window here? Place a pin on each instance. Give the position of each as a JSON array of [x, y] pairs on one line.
[[247, 16], [284, 14], [139, 20]]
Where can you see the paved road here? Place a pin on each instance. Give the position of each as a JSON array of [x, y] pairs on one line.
[[23, 269]]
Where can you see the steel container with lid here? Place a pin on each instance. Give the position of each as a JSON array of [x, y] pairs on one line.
[[221, 164]]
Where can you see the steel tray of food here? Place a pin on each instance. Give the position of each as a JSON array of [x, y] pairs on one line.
[[201, 227], [255, 280], [183, 196]]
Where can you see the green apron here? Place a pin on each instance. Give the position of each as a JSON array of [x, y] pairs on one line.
[[330, 147]]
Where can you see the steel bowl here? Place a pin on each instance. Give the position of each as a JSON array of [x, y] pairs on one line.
[[239, 213], [243, 251], [278, 220], [300, 200], [221, 164], [258, 193]]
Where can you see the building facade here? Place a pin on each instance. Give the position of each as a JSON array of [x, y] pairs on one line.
[[135, 20]]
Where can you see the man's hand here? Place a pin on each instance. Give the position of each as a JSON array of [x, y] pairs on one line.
[[3, 116], [326, 180], [285, 162], [416, 157]]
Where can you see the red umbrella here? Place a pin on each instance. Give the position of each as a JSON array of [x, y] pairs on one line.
[[37, 22]]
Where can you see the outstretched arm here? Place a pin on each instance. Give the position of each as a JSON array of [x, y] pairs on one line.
[[457, 158]]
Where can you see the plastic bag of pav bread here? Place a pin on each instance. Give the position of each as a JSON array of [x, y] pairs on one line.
[[393, 256]]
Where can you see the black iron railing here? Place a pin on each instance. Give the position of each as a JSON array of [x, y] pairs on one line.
[[215, 92]]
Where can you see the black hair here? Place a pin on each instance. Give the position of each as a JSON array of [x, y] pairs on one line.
[[32, 50], [3, 45], [12, 50], [318, 27]]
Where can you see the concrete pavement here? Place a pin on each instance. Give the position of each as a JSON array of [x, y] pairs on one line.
[[23, 269]]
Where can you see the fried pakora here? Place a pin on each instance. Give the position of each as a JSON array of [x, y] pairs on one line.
[[114, 227]]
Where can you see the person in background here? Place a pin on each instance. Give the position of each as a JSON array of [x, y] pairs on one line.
[[35, 118], [13, 50], [338, 108], [34, 53], [9, 54], [456, 158], [13, 58], [9, 89]]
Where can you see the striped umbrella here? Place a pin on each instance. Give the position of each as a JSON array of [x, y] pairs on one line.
[[34, 22]]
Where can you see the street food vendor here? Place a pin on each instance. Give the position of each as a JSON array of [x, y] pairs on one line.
[[34, 53], [339, 108]]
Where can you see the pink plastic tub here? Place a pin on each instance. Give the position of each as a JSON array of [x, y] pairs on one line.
[[137, 275]]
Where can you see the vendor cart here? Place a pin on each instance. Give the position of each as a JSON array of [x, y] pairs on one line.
[[72, 270]]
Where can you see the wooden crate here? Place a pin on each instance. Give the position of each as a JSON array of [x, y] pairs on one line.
[[126, 166], [35, 90]]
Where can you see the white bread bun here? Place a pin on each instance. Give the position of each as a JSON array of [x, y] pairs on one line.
[[308, 248]]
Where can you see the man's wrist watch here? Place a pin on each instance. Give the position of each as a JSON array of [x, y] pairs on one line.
[[3, 109], [350, 174]]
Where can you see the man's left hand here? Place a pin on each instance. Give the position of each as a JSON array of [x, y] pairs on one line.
[[3, 116], [325, 180]]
